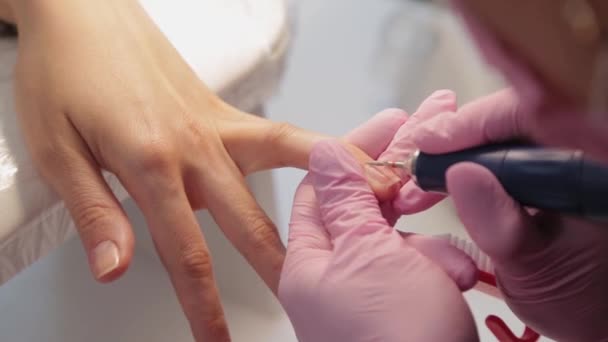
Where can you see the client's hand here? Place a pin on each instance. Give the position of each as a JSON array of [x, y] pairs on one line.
[[98, 87]]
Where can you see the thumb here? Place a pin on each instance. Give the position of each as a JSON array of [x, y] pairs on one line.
[[499, 225], [347, 205], [454, 262]]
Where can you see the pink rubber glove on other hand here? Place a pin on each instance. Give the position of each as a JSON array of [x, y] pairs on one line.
[[349, 276], [552, 269]]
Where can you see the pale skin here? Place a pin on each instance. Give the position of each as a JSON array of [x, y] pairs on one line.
[[98, 87]]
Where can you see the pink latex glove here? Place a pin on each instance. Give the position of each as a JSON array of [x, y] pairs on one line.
[[348, 275], [410, 198], [552, 269]]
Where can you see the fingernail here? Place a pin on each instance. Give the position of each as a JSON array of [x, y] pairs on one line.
[[104, 258], [382, 176]]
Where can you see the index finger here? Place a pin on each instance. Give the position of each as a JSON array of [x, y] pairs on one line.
[[259, 144]]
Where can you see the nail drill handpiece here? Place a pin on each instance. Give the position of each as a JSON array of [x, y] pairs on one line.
[[554, 179]]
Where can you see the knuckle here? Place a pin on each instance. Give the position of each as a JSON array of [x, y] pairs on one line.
[[90, 217], [197, 134], [49, 156], [280, 132], [154, 156], [277, 136], [195, 263], [202, 136], [262, 231], [217, 328]]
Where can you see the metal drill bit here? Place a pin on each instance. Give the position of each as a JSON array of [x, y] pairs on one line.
[[389, 163]]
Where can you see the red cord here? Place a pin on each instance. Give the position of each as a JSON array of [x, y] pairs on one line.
[[498, 327], [504, 334], [487, 278]]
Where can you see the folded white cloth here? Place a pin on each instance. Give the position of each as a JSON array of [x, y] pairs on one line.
[[236, 46]]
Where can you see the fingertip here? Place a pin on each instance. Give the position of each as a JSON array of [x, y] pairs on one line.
[[396, 115], [110, 275], [425, 137], [438, 134], [454, 262], [467, 276], [444, 94], [110, 258], [461, 268], [108, 242], [383, 181], [384, 191], [443, 100]]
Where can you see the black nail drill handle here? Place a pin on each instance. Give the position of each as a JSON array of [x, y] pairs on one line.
[[539, 177]]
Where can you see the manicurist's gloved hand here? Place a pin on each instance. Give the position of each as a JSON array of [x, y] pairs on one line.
[[348, 275], [552, 269], [410, 198]]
